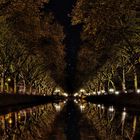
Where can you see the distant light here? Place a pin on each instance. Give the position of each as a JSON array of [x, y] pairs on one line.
[[65, 94], [102, 91], [117, 92], [138, 91], [75, 101], [44, 94], [88, 94], [82, 90], [102, 107], [111, 90], [123, 115], [10, 121], [19, 117], [9, 79], [111, 109], [82, 107], [98, 105], [76, 94], [94, 93], [98, 92], [57, 90], [57, 107]]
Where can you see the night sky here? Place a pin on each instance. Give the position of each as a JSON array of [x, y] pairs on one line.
[[61, 10]]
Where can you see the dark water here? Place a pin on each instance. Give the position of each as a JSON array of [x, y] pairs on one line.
[[71, 120]]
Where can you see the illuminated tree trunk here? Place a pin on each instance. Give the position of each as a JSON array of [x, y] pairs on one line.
[[2, 82], [123, 75], [30, 89], [123, 80], [15, 85], [134, 127], [24, 86], [135, 79], [112, 85]]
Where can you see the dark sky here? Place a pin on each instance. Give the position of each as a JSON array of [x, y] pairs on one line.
[[61, 9]]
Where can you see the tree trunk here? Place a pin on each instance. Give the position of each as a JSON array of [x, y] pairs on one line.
[[113, 85], [30, 89], [108, 86], [15, 85], [123, 81], [24, 86], [134, 127], [135, 80], [2, 82]]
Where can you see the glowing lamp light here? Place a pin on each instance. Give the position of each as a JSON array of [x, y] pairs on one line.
[[102, 107], [76, 94], [65, 94], [75, 101], [98, 92], [138, 91], [57, 107], [9, 79], [123, 115], [102, 91], [82, 107], [88, 94], [94, 93], [111, 109], [82, 90], [125, 91], [117, 92], [111, 90], [57, 90], [10, 121]]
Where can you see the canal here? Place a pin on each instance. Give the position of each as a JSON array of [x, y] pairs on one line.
[[70, 120]]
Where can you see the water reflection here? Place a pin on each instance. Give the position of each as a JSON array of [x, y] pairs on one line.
[[113, 124], [29, 123], [70, 120]]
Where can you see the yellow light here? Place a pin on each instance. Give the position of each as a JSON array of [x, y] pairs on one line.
[[10, 121], [111, 90], [111, 109], [76, 94], [82, 90], [117, 92], [82, 107], [103, 91], [9, 79], [19, 116]]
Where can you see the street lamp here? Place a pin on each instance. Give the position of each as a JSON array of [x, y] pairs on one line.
[[117, 92], [111, 90], [82, 90], [138, 91]]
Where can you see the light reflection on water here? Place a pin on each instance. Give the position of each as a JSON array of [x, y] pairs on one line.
[[29, 123], [70, 120], [112, 123]]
